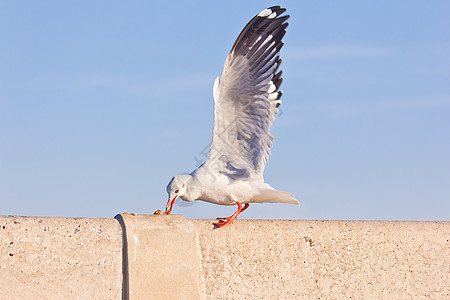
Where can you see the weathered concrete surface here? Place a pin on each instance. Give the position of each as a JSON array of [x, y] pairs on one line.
[[281, 259], [168, 257], [163, 257], [60, 258]]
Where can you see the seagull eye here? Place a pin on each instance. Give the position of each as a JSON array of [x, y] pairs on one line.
[[176, 191]]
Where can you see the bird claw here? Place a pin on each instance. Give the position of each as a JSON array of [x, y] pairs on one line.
[[222, 219], [167, 212], [222, 223], [229, 220]]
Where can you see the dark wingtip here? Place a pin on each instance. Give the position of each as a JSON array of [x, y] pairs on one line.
[[277, 9], [261, 20]]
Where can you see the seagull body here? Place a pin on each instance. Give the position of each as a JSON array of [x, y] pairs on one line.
[[246, 100]]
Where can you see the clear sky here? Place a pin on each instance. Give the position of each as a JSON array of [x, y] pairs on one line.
[[101, 103]]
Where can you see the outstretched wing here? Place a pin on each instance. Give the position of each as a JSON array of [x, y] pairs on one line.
[[247, 97]]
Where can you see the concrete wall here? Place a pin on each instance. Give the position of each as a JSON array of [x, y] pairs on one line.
[[169, 257]]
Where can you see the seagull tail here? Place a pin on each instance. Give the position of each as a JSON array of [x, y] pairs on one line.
[[274, 196]]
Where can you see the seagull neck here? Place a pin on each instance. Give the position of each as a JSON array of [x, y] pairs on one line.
[[193, 191]]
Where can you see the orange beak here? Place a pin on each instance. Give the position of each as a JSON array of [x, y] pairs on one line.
[[170, 203]]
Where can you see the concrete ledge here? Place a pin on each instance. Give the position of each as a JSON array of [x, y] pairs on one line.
[[60, 258], [168, 257]]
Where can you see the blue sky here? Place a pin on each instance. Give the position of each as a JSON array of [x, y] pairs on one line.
[[101, 103]]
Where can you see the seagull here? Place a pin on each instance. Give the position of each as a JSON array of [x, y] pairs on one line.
[[246, 100]]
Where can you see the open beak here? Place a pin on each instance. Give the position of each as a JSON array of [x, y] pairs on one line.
[[170, 203]]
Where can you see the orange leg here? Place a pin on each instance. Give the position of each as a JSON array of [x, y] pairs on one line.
[[228, 220], [246, 205]]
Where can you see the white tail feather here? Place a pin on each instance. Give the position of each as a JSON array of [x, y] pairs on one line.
[[274, 196]]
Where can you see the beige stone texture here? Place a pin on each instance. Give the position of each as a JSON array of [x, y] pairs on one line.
[[60, 258], [163, 257], [281, 259], [169, 257]]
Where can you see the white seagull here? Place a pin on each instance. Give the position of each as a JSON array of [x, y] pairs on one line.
[[246, 99]]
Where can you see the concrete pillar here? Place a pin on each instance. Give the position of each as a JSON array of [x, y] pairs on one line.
[[162, 257]]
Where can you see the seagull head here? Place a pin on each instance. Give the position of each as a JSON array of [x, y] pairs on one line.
[[177, 187]]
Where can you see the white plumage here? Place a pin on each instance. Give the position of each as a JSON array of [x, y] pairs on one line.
[[246, 100]]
